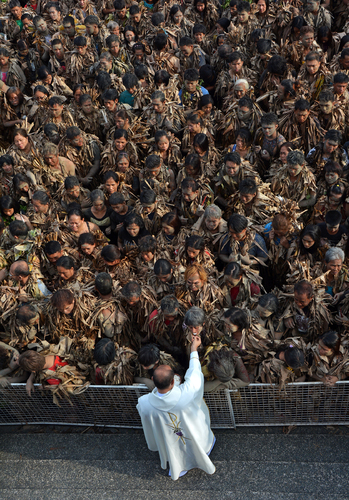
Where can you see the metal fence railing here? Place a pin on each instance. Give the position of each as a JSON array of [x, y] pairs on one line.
[[115, 406]]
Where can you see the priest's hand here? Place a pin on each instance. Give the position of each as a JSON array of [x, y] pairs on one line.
[[195, 343]]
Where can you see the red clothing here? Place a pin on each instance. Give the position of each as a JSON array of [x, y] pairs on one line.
[[152, 321], [98, 376], [255, 290], [58, 362]]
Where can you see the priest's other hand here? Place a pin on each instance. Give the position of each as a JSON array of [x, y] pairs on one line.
[[195, 342]]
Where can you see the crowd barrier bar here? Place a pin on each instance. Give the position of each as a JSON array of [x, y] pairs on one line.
[[306, 403]]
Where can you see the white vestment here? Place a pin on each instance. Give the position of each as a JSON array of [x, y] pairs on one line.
[[177, 425]]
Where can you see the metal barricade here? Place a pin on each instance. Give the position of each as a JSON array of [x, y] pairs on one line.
[[303, 403], [115, 406]]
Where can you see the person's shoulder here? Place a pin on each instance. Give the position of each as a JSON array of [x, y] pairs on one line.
[[143, 400], [259, 239], [204, 91]]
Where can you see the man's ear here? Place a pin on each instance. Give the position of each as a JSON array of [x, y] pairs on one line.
[[152, 378]]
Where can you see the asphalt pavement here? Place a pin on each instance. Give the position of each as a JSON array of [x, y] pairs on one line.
[[72, 463]]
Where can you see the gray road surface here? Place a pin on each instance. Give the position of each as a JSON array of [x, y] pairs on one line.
[[55, 463]]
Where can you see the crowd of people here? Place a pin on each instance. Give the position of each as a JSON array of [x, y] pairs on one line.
[[168, 170]]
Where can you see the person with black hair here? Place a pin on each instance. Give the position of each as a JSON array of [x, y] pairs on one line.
[[138, 20], [313, 76], [120, 209], [84, 150], [240, 286], [109, 356], [191, 56], [80, 60], [277, 70], [120, 57], [132, 230], [55, 84], [89, 118], [241, 243], [53, 251], [265, 317], [73, 192], [233, 171], [13, 73], [164, 180], [295, 181], [316, 15], [43, 211], [325, 359], [340, 88], [107, 314], [287, 365], [191, 200], [202, 12], [309, 245], [165, 326], [137, 301], [179, 24], [328, 149], [97, 33], [83, 10], [131, 83], [306, 314], [254, 201], [164, 56], [162, 116], [191, 91], [90, 252], [6, 174], [223, 369], [8, 209], [164, 279], [241, 114], [212, 114], [297, 125], [194, 251], [268, 141], [237, 70], [151, 208], [285, 93], [265, 50], [54, 11], [29, 60], [296, 52], [67, 34], [59, 114], [332, 230], [246, 23]]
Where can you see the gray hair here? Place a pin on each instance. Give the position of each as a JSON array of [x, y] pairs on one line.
[[97, 194], [213, 211], [295, 158], [333, 254], [106, 55], [112, 24], [50, 149], [194, 317], [242, 81], [169, 304]]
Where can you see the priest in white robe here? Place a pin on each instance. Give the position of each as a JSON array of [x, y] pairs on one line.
[[176, 420]]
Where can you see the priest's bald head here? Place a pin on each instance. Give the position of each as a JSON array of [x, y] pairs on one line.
[[163, 378]]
